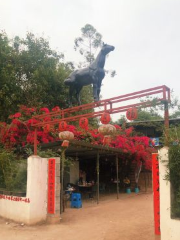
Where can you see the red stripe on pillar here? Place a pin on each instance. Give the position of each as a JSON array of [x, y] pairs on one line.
[[51, 185], [155, 171]]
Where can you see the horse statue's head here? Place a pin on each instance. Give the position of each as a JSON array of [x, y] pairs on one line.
[[107, 48]]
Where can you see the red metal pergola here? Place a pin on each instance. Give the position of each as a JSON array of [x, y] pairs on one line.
[[107, 105]]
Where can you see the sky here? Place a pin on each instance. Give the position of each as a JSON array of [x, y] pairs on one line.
[[146, 36]]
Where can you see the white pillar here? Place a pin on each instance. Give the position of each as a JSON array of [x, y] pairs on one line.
[[37, 189], [170, 228]]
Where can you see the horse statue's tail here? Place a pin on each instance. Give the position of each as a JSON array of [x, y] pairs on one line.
[[71, 79], [68, 81]]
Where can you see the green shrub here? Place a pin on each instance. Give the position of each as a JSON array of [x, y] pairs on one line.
[[174, 176], [13, 171]]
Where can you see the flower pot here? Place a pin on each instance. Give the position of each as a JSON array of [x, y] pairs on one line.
[[128, 190], [136, 190]]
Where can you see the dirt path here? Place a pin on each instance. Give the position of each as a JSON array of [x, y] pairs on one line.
[[129, 218]]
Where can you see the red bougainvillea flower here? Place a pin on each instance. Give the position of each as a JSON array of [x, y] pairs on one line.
[[16, 122], [128, 131], [16, 115], [55, 109], [22, 132], [32, 121], [46, 110]]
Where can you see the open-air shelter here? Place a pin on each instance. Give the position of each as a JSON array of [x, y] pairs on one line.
[[87, 151]]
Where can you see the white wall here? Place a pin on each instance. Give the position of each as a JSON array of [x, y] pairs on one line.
[[19, 209], [170, 228]]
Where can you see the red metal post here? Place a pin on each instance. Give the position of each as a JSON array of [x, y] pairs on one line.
[[166, 115], [166, 122], [156, 195]]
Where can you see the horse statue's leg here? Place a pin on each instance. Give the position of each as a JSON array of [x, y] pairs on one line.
[[98, 93], [95, 88], [98, 89], [95, 92], [78, 90], [71, 90]]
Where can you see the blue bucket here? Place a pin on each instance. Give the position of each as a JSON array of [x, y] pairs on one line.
[[136, 190], [128, 190]]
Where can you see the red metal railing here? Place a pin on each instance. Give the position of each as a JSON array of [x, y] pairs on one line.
[[106, 105]]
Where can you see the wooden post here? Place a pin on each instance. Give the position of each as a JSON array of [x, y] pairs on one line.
[[117, 175], [97, 169]]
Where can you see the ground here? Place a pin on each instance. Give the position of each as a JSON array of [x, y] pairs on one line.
[[128, 218]]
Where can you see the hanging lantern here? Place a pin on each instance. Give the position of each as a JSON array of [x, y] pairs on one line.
[[62, 126], [107, 130], [83, 123], [105, 118], [66, 136], [47, 128], [132, 113]]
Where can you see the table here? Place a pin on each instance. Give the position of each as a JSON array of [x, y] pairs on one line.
[[85, 189]]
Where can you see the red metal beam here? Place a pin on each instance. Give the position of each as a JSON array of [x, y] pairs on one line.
[[106, 106]]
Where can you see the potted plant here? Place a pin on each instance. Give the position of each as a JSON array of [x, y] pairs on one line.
[[127, 184]]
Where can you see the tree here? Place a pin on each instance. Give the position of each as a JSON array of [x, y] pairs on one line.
[[88, 43], [144, 115], [175, 107], [31, 74], [8, 83], [40, 72]]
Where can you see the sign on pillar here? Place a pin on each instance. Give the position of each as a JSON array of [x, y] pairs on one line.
[[51, 185], [156, 195], [53, 198]]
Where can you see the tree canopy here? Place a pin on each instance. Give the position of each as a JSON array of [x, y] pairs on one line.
[[88, 43], [31, 74]]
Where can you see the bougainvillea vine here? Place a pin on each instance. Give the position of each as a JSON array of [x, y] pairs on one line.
[[20, 132]]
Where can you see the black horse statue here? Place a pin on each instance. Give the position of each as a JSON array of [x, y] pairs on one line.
[[93, 74]]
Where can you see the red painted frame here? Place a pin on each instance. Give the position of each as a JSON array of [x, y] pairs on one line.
[[107, 105]]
